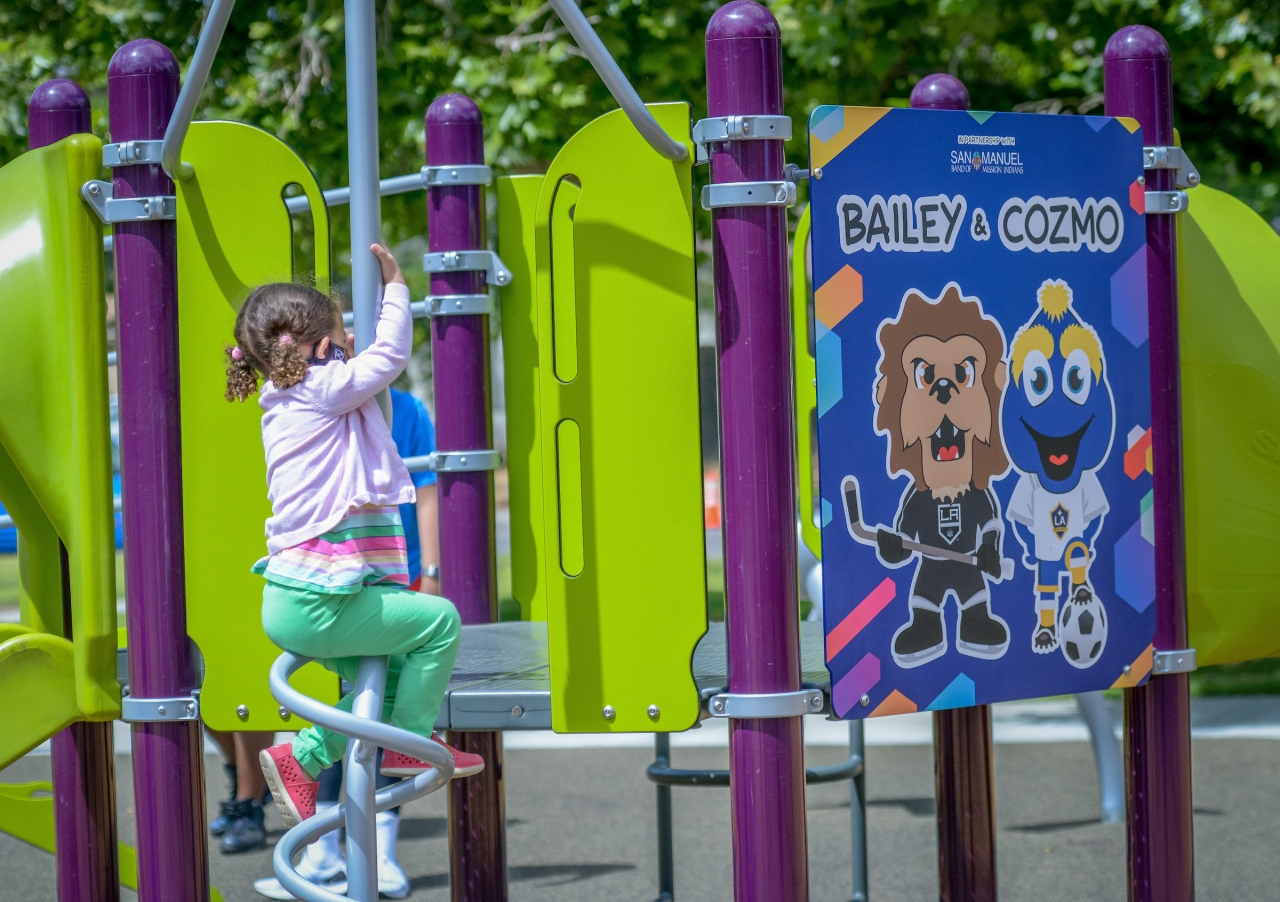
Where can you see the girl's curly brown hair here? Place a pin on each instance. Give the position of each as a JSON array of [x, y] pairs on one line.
[[272, 312]]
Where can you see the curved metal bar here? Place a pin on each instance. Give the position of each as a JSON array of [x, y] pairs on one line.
[[197, 73], [670, 776], [366, 731], [380, 734], [610, 73]]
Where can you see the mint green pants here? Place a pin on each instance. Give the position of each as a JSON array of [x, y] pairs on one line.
[[419, 632]]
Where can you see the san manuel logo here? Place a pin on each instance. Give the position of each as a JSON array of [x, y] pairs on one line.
[[984, 158]]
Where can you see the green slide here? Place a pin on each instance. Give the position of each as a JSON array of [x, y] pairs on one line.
[[1229, 306], [55, 447]]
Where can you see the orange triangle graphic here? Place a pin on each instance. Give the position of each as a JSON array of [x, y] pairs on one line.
[[896, 703], [1138, 670]]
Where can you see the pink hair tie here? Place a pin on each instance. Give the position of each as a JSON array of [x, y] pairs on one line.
[[236, 353], [286, 339]]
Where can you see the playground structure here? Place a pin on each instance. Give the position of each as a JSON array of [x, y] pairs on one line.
[[599, 333]]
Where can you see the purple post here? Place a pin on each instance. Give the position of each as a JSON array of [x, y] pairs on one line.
[[1158, 715], [460, 358], [940, 91], [766, 756], [83, 761], [58, 108], [168, 768], [963, 768]]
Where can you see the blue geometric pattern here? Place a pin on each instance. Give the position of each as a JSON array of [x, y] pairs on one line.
[[1129, 298], [1136, 568], [961, 693], [830, 372]]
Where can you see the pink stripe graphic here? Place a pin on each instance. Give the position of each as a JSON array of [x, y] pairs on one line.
[[856, 683], [860, 616], [350, 545]]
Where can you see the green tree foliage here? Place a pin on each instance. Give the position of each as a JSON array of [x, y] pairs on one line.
[[281, 67]]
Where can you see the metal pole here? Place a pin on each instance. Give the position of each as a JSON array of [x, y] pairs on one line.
[[1106, 754], [460, 359], [1157, 716], [965, 787], [82, 755], [666, 854], [611, 74], [961, 737], [215, 23], [362, 163], [858, 810], [361, 785], [749, 246], [168, 764]]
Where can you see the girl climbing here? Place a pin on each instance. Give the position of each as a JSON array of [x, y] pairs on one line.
[[337, 574]]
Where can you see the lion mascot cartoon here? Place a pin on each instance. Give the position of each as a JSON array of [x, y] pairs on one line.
[[938, 392]]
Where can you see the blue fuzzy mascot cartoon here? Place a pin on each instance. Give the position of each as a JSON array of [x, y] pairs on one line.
[[1058, 420]]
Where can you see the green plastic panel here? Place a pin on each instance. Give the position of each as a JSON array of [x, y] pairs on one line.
[[517, 205], [617, 334], [234, 233], [26, 813], [806, 382], [1229, 305], [38, 685], [55, 446]]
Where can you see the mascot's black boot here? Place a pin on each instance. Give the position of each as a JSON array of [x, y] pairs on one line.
[[921, 640], [981, 634]]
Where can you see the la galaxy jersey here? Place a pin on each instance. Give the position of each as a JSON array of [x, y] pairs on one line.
[[1054, 519], [956, 524]]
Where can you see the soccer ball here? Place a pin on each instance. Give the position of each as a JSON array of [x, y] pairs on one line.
[[1082, 628]]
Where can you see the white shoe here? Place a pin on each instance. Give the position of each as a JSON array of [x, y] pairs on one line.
[[271, 888], [393, 882], [329, 873]]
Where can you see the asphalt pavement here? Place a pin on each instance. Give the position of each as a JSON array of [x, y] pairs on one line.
[[581, 819]]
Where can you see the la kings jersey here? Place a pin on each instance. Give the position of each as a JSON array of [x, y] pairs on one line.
[[1056, 519], [956, 524]]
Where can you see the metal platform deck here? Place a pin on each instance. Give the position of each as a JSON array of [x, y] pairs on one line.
[[502, 681]]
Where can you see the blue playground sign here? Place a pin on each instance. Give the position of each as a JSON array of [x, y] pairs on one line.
[[980, 299]]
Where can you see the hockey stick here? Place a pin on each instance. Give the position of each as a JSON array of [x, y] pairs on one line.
[[853, 516]]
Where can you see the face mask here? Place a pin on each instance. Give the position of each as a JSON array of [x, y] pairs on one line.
[[334, 353]]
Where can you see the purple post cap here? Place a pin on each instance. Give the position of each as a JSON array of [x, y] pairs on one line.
[[59, 95], [742, 19], [940, 91], [143, 57], [1136, 42], [453, 109]]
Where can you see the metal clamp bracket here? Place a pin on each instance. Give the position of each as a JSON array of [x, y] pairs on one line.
[[1166, 662], [453, 305], [1166, 201], [131, 153], [487, 262], [793, 173], [454, 462], [156, 710], [1162, 157], [772, 704], [748, 194], [738, 128], [127, 209], [467, 174]]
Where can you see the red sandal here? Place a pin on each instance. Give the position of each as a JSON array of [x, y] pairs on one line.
[[398, 764], [291, 787]]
